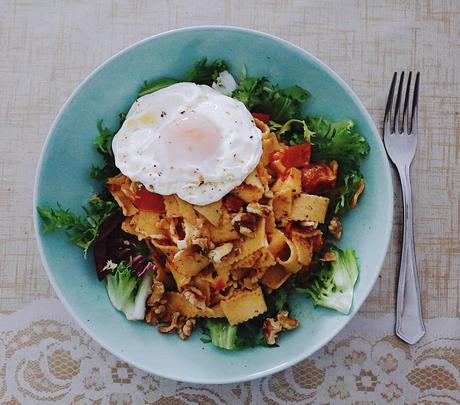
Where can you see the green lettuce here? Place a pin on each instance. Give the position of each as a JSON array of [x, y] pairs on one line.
[[81, 231], [280, 104], [201, 73], [337, 141], [332, 286], [127, 292]]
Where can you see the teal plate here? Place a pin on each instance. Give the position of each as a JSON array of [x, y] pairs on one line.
[[62, 176]]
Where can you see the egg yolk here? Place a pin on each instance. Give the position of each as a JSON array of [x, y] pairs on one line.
[[191, 139]]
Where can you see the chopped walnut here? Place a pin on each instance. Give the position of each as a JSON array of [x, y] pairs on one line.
[[258, 209], [245, 231], [272, 327], [177, 232], [249, 283], [334, 167], [221, 251], [172, 326], [335, 227], [286, 322], [195, 297], [150, 317], [329, 257], [179, 323], [158, 289], [186, 330], [359, 191], [309, 224], [268, 193], [181, 244], [157, 313], [204, 243], [159, 310], [156, 305], [245, 223]]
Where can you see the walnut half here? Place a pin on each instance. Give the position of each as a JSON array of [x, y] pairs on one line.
[[195, 297], [359, 191], [245, 223], [156, 304], [260, 210], [335, 227], [179, 323], [272, 327], [186, 330]]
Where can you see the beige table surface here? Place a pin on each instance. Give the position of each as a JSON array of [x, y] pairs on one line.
[[48, 47]]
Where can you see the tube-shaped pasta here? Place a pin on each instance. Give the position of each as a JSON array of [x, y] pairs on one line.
[[304, 249], [289, 260], [276, 242]]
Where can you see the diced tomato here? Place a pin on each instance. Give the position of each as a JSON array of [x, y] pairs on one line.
[[293, 156], [145, 200], [114, 187], [261, 116], [318, 178], [219, 284], [296, 156], [233, 203]]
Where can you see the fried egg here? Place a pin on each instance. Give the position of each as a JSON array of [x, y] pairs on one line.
[[189, 140]]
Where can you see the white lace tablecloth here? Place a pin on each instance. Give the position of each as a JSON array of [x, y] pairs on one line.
[[47, 49], [47, 358]]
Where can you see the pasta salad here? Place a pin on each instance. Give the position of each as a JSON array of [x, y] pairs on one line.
[[219, 200]]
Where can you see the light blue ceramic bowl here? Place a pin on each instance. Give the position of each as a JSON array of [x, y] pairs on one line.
[[62, 176]]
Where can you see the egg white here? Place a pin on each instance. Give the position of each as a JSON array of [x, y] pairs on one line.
[[139, 149]]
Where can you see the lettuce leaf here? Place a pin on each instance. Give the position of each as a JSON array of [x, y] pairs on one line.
[[250, 333], [104, 146], [351, 181], [81, 231], [337, 141], [238, 337], [280, 104], [333, 286], [201, 73], [293, 132], [128, 292]]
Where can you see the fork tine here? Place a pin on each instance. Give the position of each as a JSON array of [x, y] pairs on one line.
[[405, 119], [398, 104], [386, 121], [414, 118]]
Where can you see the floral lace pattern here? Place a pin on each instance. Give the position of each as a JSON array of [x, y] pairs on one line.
[[48, 359]]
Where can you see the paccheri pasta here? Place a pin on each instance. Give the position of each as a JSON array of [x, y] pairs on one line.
[[226, 258]]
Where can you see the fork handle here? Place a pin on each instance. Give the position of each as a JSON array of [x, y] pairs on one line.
[[409, 321]]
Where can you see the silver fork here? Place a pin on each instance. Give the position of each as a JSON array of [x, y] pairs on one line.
[[400, 138]]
